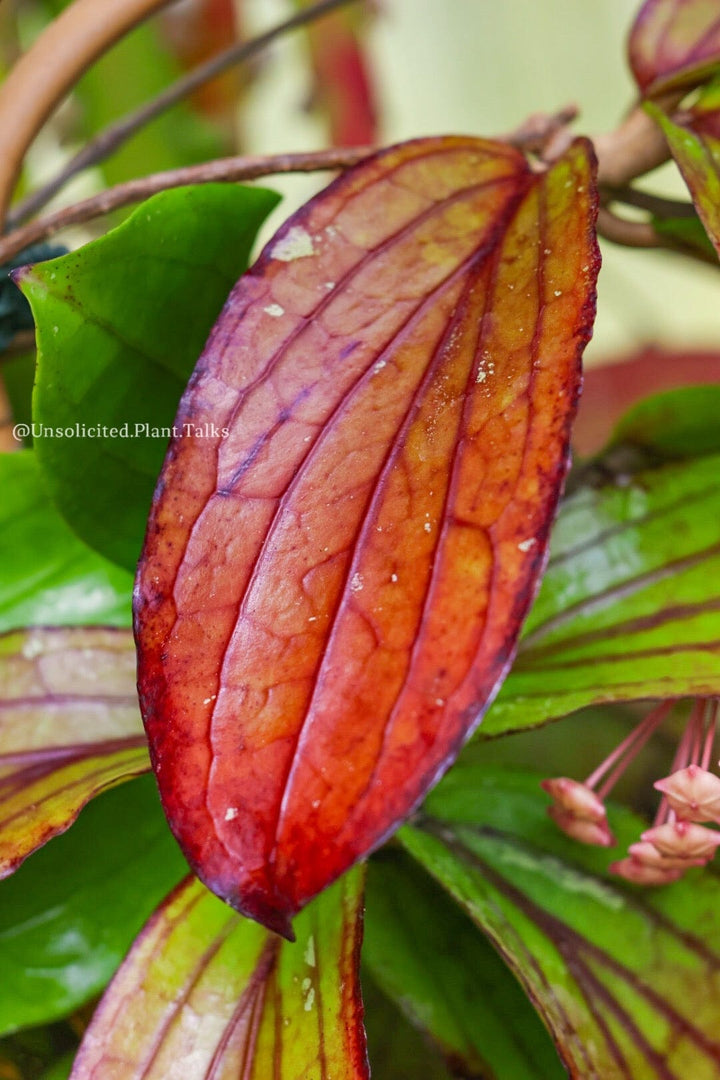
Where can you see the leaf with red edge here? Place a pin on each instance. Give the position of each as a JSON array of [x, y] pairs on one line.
[[207, 995], [330, 594], [674, 44], [694, 140], [69, 728]]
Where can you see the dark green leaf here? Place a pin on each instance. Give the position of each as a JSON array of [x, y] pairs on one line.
[[628, 608], [627, 980], [49, 576], [688, 233], [120, 324], [448, 980], [396, 1049], [677, 423], [70, 913], [18, 375]]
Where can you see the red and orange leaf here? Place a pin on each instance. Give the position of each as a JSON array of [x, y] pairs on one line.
[[207, 995], [69, 728], [674, 44], [330, 594]]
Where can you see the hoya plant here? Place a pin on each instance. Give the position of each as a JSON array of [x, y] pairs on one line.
[[300, 811]]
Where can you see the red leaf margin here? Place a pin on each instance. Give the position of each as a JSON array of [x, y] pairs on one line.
[[248, 795]]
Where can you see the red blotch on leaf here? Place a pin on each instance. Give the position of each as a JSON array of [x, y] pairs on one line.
[[351, 524]]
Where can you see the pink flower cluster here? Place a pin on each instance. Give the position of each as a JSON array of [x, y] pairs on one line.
[[679, 837]]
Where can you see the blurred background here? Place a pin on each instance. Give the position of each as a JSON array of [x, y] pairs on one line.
[[379, 71]]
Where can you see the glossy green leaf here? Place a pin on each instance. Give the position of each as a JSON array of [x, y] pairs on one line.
[[687, 234], [18, 375], [70, 727], [396, 1049], [678, 423], [626, 979], [70, 913], [694, 141], [208, 992], [120, 324], [448, 980], [674, 43], [665, 401], [48, 575], [628, 608]]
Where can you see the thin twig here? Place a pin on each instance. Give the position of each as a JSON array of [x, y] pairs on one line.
[[638, 234], [51, 67], [655, 204], [109, 140], [224, 170], [635, 148]]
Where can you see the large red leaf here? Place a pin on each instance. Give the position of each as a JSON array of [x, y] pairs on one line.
[[330, 593], [674, 43]]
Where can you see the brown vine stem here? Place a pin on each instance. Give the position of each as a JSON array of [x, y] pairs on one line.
[[50, 68], [530, 136], [639, 234], [633, 149], [222, 170], [109, 140]]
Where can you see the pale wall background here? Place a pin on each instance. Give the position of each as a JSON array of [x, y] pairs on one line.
[[481, 67]]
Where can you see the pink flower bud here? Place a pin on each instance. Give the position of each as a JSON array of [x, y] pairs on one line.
[[693, 793], [576, 798], [649, 855], [582, 829], [684, 839], [636, 871]]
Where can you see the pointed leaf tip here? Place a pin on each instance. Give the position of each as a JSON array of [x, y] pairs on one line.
[[341, 552]]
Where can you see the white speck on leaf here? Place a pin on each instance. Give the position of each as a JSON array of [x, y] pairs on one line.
[[231, 813], [295, 244], [525, 545], [275, 310], [310, 951], [356, 582]]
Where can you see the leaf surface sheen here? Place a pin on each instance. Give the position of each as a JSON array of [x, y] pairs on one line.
[[330, 595], [674, 43], [69, 728], [628, 608], [207, 995], [119, 325]]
